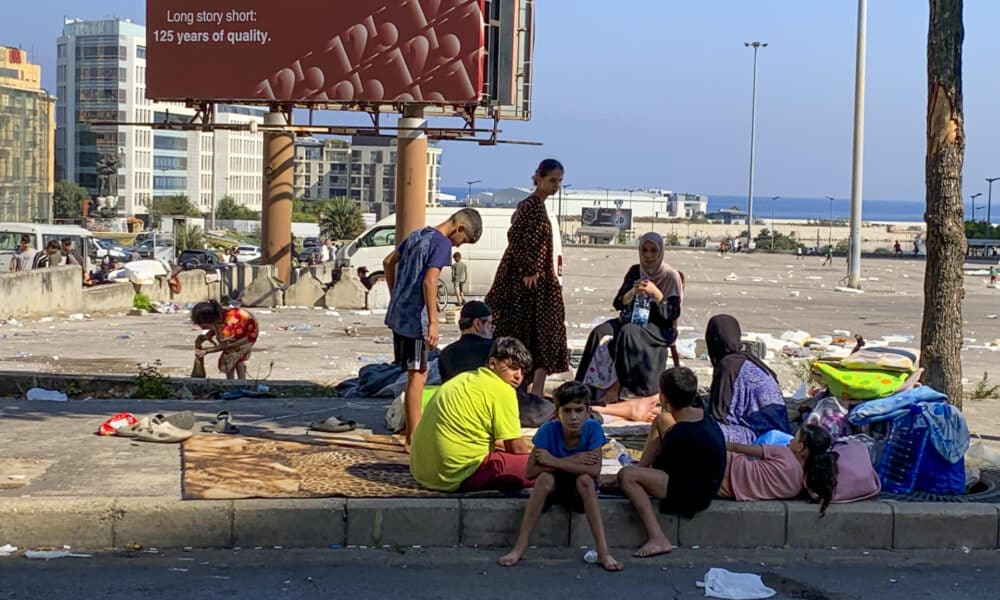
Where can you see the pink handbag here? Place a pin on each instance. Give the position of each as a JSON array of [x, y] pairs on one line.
[[856, 477]]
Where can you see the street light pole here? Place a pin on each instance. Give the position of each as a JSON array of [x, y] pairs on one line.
[[773, 198], [753, 131], [973, 204], [830, 240], [468, 200], [559, 211], [857, 162], [989, 197]]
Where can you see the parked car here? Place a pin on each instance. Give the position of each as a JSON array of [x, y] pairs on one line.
[[247, 253], [310, 242], [164, 248], [200, 259]]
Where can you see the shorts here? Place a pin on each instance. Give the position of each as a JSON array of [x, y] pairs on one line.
[[565, 493], [410, 354], [459, 287]]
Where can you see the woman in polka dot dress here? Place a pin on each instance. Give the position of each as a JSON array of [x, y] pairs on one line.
[[526, 297]]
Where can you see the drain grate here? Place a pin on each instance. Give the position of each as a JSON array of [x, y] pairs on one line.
[[986, 491]]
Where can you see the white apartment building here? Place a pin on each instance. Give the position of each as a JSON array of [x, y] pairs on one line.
[[101, 76], [363, 169]]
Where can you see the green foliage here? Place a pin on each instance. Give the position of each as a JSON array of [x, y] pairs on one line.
[[176, 205], [150, 383], [782, 242], [340, 219], [67, 200], [304, 211], [228, 209], [142, 302], [981, 230], [671, 239], [984, 389], [842, 246], [189, 237]]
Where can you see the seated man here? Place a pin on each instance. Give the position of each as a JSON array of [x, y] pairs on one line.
[[472, 351], [469, 437]]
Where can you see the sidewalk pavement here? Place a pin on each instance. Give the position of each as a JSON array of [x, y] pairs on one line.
[[61, 484]]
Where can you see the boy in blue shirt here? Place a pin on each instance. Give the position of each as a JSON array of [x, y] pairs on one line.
[[566, 464], [412, 272]]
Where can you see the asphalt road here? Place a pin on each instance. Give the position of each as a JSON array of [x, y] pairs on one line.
[[468, 573]]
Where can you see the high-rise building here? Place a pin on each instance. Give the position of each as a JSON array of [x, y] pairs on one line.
[[363, 169], [27, 124], [101, 76]]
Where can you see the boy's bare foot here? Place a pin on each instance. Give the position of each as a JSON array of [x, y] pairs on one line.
[[640, 409], [654, 548], [511, 558], [609, 563]]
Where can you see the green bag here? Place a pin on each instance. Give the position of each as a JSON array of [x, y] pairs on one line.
[[855, 385]]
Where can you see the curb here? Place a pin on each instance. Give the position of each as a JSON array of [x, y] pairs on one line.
[[14, 383], [101, 523]]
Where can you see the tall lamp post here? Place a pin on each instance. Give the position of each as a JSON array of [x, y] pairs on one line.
[[753, 131], [972, 203], [773, 198], [989, 196], [830, 240], [560, 211], [468, 200]]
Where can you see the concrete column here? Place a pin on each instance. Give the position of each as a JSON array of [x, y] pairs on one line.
[[411, 173], [276, 213]]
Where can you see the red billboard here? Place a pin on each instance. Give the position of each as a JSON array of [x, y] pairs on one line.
[[308, 51]]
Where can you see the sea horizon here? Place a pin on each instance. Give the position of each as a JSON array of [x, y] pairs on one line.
[[872, 209]]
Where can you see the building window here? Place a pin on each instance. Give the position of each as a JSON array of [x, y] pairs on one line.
[[163, 142], [162, 182], [61, 52], [140, 52], [169, 163]]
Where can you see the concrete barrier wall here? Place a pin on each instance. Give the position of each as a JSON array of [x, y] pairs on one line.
[[108, 298], [42, 292]]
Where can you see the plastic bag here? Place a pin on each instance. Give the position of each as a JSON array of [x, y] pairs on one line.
[[981, 456], [119, 420], [831, 415]]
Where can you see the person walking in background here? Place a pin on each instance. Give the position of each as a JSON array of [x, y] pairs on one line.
[[897, 249], [829, 256], [916, 247], [412, 272], [24, 257], [459, 275], [526, 297], [324, 251], [993, 275]]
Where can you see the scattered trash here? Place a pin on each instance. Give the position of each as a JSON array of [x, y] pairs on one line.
[[590, 556], [332, 313], [793, 293], [7, 550], [76, 317], [847, 290], [37, 393], [731, 277], [361, 313], [297, 327], [381, 358], [125, 336], [165, 308], [589, 290], [46, 320], [22, 354], [991, 316], [351, 331], [51, 554], [123, 419], [720, 583], [383, 340]]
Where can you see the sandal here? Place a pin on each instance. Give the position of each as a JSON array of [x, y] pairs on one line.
[[333, 425], [221, 424]]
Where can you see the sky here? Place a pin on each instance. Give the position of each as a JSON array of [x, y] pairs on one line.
[[656, 93]]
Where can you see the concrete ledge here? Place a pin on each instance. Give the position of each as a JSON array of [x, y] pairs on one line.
[[496, 522], [398, 522], [306, 523], [934, 525], [858, 525], [621, 524], [173, 523], [40, 522], [736, 525]]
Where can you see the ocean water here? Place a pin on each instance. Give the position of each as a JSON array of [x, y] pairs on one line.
[[801, 208]]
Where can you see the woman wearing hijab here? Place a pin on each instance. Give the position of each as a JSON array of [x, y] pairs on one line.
[[623, 356], [745, 398]]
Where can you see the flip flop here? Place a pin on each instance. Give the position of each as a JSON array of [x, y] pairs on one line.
[[130, 431], [221, 424], [181, 420], [163, 432], [333, 425]]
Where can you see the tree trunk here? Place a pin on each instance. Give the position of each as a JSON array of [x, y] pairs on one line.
[[941, 330]]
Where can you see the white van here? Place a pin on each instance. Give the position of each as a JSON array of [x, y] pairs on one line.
[[371, 247], [41, 234]]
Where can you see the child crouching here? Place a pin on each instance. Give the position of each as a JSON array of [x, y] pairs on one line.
[[565, 465]]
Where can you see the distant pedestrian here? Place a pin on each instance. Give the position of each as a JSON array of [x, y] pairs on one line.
[[798, 252], [51, 256], [324, 251], [459, 276], [993, 275], [829, 256], [24, 257], [916, 247], [70, 253], [897, 249]]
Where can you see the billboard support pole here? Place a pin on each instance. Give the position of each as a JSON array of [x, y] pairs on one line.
[[276, 216], [411, 172]]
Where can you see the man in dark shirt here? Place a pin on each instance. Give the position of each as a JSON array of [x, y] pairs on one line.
[[682, 465], [472, 351]]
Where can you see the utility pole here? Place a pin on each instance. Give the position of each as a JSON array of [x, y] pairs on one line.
[[468, 200], [830, 240], [753, 131], [989, 196], [972, 203], [857, 163], [773, 198]]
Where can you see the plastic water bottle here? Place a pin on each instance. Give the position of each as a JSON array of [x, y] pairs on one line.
[[621, 453], [640, 309], [590, 556]]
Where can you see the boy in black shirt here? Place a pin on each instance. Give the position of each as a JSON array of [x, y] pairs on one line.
[[682, 465]]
